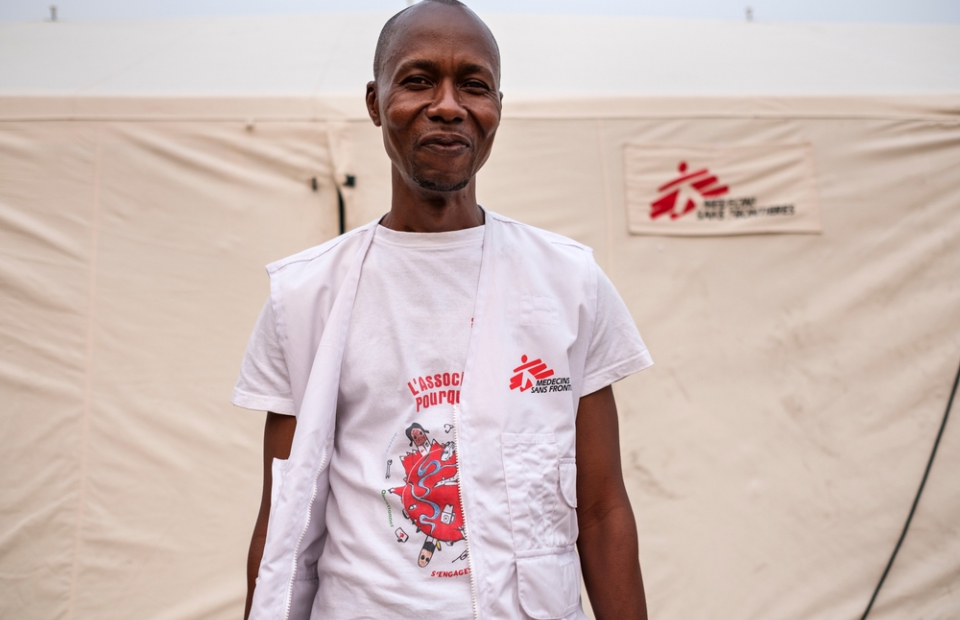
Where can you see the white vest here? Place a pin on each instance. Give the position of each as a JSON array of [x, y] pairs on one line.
[[516, 435]]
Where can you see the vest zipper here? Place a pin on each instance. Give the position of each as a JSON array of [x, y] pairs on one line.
[[466, 538], [303, 533]]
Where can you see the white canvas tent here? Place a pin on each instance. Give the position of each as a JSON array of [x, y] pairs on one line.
[[149, 170]]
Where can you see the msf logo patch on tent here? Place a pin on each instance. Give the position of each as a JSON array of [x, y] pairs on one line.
[[537, 377], [684, 193], [720, 189]]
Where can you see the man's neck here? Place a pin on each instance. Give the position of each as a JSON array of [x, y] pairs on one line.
[[415, 209]]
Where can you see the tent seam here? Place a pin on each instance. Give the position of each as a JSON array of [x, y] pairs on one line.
[[239, 118], [88, 371], [607, 201]]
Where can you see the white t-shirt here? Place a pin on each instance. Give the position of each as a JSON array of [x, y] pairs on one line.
[[395, 546]]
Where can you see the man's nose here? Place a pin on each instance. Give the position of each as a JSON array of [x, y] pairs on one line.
[[446, 104]]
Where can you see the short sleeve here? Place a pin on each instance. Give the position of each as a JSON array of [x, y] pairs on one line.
[[264, 383], [616, 349]]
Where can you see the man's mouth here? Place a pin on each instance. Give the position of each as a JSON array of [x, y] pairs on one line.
[[446, 142]]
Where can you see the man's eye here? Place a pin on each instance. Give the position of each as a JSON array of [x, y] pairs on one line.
[[475, 85], [417, 80]]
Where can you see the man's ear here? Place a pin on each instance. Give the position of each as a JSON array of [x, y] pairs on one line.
[[373, 103]]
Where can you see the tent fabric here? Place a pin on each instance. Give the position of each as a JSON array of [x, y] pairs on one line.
[[320, 55], [130, 254], [772, 453], [333, 108]]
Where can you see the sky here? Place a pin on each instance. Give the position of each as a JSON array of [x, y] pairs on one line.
[[888, 11]]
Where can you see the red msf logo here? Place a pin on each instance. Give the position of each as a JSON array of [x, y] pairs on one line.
[[536, 369], [679, 199]]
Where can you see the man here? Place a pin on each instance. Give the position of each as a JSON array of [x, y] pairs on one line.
[[499, 340]]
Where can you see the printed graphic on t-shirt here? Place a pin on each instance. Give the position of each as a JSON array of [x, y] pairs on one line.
[[432, 390], [430, 494]]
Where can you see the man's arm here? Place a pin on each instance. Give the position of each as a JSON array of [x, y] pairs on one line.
[[277, 438], [608, 533]]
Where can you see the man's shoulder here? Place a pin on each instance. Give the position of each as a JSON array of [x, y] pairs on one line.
[[527, 232], [326, 254]]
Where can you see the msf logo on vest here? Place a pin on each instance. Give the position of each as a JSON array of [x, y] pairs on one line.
[[537, 378]]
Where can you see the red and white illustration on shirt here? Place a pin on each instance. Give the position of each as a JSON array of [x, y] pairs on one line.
[[682, 195], [431, 493]]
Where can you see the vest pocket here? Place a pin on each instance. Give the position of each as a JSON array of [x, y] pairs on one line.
[[538, 310], [542, 499], [549, 585], [531, 470], [568, 481]]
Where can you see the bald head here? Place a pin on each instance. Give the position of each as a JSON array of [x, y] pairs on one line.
[[397, 24], [436, 99]]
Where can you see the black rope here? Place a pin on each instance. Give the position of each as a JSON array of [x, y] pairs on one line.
[[916, 500]]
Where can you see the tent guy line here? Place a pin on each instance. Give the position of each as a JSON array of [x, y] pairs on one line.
[[916, 500]]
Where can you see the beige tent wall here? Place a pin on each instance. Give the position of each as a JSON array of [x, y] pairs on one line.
[[131, 262], [771, 454]]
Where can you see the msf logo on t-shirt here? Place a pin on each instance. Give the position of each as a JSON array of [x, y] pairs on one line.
[[536, 376]]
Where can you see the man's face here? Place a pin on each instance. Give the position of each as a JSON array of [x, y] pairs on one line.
[[437, 98]]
